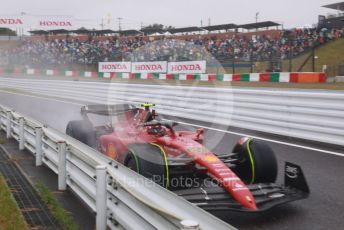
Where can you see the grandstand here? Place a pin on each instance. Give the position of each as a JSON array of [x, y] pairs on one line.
[[243, 46], [333, 21], [247, 47]]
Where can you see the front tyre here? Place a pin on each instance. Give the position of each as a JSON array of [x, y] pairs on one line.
[[256, 162]]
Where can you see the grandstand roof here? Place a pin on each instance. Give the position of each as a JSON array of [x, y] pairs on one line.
[[149, 31], [221, 27], [60, 31], [336, 6], [104, 31], [185, 30], [38, 32], [128, 32], [152, 30], [259, 25], [81, 31]]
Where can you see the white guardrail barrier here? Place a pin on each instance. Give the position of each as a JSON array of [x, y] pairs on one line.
[[316, 115], [121, 198]]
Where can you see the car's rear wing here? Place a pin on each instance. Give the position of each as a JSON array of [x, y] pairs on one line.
[[107, 110]]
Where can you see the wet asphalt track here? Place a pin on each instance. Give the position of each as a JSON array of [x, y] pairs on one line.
[[324, 209]]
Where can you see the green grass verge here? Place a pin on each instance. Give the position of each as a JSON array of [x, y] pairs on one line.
[[60, 214], [10, 215], [2, 141], [331, 54]]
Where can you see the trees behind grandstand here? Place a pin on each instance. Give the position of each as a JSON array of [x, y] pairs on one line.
[[7, 32], [158, 27]]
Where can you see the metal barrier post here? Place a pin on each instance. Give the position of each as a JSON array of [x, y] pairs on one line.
[[21, 133], [101, 197], [62, 166], [8, 124], [189, 225], [39, 134]]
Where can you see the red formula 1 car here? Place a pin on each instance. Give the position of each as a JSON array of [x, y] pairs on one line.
[[241, 180]]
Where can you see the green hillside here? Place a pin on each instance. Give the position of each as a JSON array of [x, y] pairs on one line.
[[331, 54]]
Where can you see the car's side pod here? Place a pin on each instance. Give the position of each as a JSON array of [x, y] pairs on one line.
[[294, 178]]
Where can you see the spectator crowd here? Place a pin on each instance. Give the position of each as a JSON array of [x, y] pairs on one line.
[[70, 51]]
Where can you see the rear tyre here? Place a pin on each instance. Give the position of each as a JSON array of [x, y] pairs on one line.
[[132, 162], [150, 161], [83, 131], [257, 162]]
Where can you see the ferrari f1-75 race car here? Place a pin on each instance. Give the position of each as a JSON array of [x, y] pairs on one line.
[[242, 179]]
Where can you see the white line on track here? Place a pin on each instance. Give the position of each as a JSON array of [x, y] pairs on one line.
[[41, 97], [194, 125], [266, 139]]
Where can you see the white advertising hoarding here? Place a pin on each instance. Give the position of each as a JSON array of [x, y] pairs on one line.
[[12, 21], [54, 22], [189, 67], [38, 22], [149, 67], [114, 67]]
